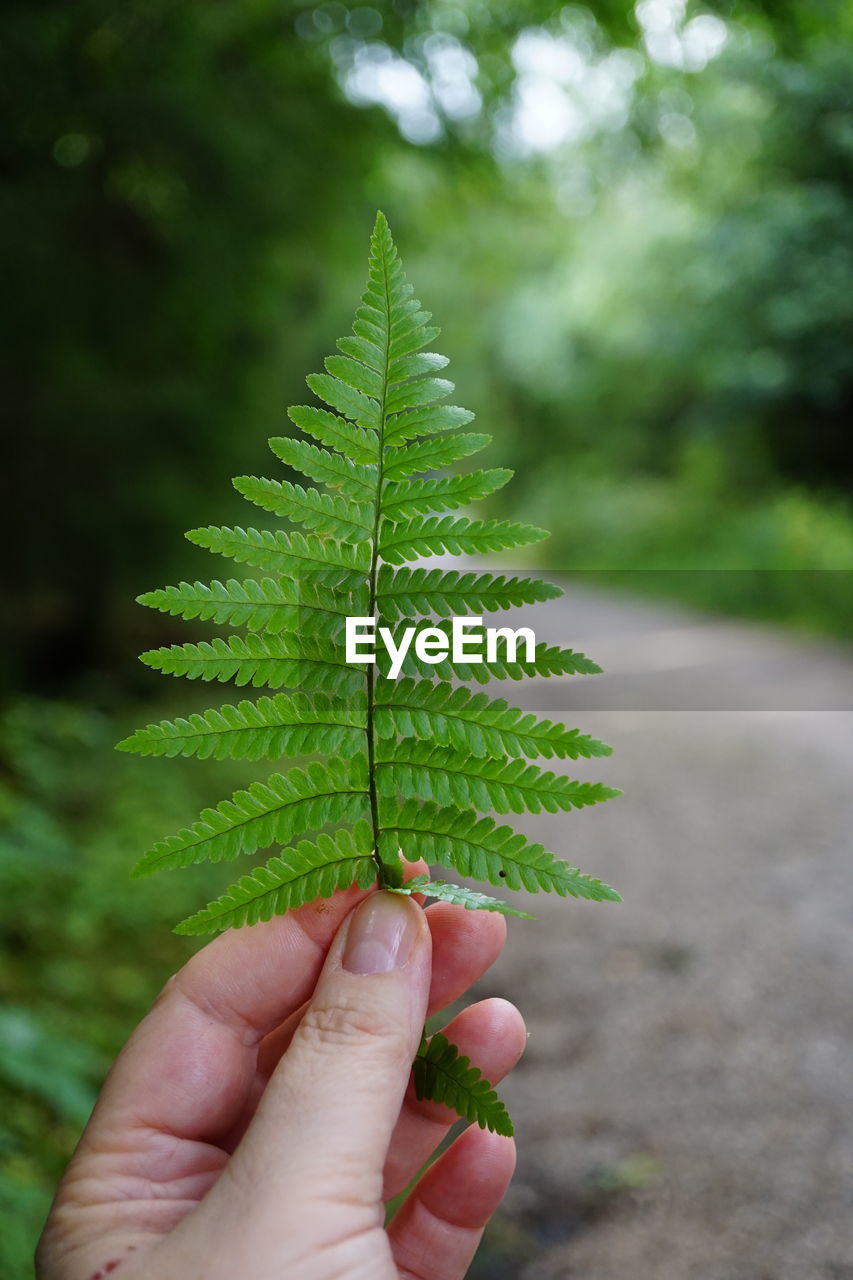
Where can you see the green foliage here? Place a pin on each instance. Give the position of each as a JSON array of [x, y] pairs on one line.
[[271, 605], [55, 1069], [474, 723], [454, 777], [406, 592], [460, 895], [428, 536], [548, 660], [297, 875], [284, 725], [475, 847], [444, 1075], [284, 806], [74, 980], [277, 661], [391, 748]]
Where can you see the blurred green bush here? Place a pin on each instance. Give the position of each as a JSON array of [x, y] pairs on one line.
[[83, 951]]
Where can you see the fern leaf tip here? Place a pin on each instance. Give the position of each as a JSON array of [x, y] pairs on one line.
[[188, 928]]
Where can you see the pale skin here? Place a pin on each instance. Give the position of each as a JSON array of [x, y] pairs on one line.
[[260, 1115]]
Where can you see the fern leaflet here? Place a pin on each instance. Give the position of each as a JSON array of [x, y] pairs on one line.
[[442, 1074]]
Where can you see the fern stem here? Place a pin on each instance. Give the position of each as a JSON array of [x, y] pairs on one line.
[[382, 871]]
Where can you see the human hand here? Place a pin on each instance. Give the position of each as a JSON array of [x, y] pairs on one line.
[[259, 1116]]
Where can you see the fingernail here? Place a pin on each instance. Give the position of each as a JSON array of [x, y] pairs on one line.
[[381, 934]]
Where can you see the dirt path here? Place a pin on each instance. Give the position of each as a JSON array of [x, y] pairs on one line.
[[685, 1107]]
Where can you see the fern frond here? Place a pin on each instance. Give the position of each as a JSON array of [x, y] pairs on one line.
[[409, 334], [283, 807], [416, 393], [436, 535], [354, 442], [284, 725], [409, 338], [476, 847], [413, 366], [548, 660], [442, 1074], [360, 349], [267, 605], [451, 777], [308, 871], [408, 762], [426, 421], [432, 454], [357, 482], [460, 896], [446, 592], [403, 500], [472, 722], [342, 564], [355, 374], [324, 512], [278, 662], [346, 399]]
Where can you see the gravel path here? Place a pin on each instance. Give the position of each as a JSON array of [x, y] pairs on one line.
[[685, 1106]]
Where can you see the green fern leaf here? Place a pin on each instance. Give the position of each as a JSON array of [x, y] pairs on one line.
[[436, 535], [285, 806], [284, 725], [426, 421], [402, 500], [357, 482], [354, 442], [413, 366], [360, 349], [417, 393], [432, 454], [308, 871], [351, 403], [339, 563], [324, 512], [359, 376], [408, 592], [279, 662], [460, 896], [476, 847], [474, 723], [548, 660], [411, 334], [455, 778], [408, 762], [266, 605], [442, 1074]]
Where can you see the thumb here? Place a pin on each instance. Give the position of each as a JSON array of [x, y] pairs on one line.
[[327, 1115]]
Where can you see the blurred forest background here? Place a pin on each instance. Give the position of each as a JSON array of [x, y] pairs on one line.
[[635, 225]]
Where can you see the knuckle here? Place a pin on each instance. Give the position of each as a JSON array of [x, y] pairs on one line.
[[335, 1024]]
